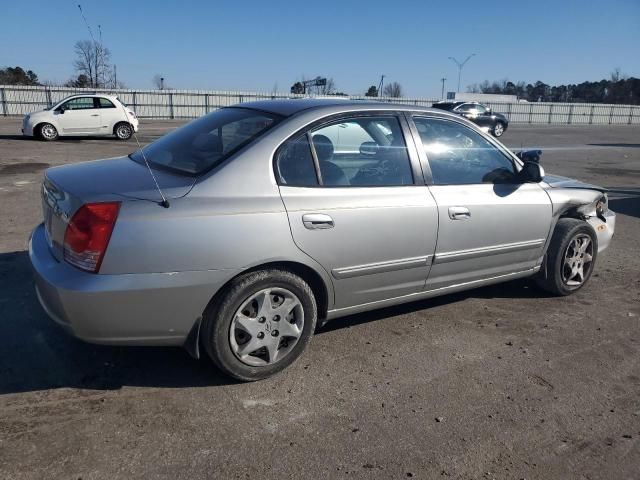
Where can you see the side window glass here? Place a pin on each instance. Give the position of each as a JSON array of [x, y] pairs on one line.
[[479, 109], [295, 165], [459, 155], [82, 103], [365, 151], [465, 107], [105, 103]]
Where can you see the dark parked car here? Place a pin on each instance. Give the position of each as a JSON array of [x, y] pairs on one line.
[[479, 114]]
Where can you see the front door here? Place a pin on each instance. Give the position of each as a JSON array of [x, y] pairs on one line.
[[81, 116], [352, 192], [490, 224]]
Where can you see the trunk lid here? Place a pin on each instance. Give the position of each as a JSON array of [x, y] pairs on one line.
[[68, 187]]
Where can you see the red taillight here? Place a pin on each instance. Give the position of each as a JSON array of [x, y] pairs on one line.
[[88, 234]]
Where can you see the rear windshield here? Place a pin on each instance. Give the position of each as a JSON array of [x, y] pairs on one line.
[[443, 106], [202, 144]]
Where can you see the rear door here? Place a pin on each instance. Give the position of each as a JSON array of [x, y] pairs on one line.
[[490, 224], [81, 116], [358, 205]]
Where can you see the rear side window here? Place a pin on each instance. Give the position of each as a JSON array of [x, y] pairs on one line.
[[104, 103], [362, 151], [202, 144], [295, 165]]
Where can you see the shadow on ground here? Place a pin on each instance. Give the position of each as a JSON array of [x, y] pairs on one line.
[[35, 354], [625, 200]]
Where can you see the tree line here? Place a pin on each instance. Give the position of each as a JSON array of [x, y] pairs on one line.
[[618, 89]]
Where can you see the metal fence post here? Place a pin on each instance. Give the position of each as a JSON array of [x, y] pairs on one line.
[[206, 103], [49, 100], [550, 112], [171, 105], [135, 101], [591, 115], [3, 99], [530, 112], [630, 121], [611, 114], [570, 114]]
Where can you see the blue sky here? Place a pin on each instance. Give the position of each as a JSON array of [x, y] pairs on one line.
[[259, 45]]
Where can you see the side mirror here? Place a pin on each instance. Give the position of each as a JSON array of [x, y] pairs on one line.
[[530, 155], [60, 110], [489, 111], [532, 172], [369, 148]]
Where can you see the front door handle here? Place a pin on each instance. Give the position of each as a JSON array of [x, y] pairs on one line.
[[95, 115], [316, 221], [459, 213]]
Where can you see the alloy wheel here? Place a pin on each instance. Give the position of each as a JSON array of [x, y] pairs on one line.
[[498, 130], [577, 261], [48, 131]]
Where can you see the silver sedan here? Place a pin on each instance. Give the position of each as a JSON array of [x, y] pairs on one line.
[[241, 232]]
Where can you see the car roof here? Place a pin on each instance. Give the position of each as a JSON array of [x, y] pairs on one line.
[[92, 94], [288, 107]]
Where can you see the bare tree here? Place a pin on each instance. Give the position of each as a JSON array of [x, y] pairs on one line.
[[158, 82], [92, 60], [393, 89], [329, 88]]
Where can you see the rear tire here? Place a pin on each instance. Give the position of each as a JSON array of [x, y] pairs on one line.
[[123, 131], [47, 132], [245, 332], [570, 258], [498, 129]]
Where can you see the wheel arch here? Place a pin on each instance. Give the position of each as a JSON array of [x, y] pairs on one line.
[[322, 292]]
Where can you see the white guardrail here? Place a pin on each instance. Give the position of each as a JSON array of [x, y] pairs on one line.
[[167, 104]]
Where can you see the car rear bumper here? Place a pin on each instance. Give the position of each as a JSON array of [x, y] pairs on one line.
[[127, 309]]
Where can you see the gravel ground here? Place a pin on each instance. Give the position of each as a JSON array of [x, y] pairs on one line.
[[498, 382]]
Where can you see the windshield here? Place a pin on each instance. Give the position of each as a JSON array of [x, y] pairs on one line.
[[203, 143]]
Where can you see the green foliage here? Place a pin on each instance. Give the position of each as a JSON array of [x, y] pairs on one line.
[[617, 90], [297, 87], [372, 92], [17, 76]]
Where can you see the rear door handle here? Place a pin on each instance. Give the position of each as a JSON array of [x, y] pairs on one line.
[[459, 213], [95, 115], [316, 221]]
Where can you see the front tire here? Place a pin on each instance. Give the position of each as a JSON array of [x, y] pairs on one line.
[[570, 259], [498, 129], [123, 131], [47, 132], [260, 325]]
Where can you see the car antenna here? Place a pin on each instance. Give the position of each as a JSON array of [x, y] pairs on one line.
[[164, 203]]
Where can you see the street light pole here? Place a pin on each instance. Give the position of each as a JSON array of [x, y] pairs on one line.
[[460, 65]]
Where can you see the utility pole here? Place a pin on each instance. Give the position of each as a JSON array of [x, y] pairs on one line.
[[380, 85], [460, 66], [115, 76], [161, 83], [443, 79]]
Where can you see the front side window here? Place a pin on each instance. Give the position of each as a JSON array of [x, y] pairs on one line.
[[82, 103], [479, 109], [202, 144], [459, 155], [362, 151]]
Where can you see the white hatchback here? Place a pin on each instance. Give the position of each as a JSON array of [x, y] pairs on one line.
[[82, 115]]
